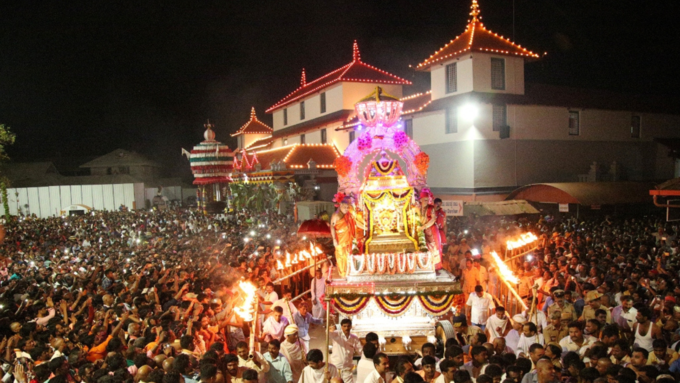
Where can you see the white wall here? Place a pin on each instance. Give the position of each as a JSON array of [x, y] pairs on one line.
[[48, 201], [463, 75], [250, 138], [514, 73], [474, 74], [537, 122], [552, 123], [312, 107], [338, 97], [338, 138]]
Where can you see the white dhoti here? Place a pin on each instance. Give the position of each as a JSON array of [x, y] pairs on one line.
[[318, 311], [347, 375], [318, 290], [305, 340]]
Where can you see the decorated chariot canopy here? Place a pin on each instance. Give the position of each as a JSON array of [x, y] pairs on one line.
[[211, 161], [380, 134]]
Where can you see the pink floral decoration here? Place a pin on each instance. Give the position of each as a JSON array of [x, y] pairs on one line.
[[365, 142], [400, 139]]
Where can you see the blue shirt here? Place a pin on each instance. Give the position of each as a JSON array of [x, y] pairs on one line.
[[675, 367], [547, 304], [279, 369], [303, 323], [579, 304]]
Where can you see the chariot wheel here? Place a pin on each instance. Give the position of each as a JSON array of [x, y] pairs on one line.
[[443, 331]]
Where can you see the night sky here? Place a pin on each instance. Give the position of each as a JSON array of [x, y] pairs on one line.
[[82, 78]]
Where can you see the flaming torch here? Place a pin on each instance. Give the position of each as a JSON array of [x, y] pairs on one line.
[[507, 276], [248, 310]]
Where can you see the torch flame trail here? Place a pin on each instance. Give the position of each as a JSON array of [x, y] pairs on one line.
[[247, 310], [503, 269], [507, 276]]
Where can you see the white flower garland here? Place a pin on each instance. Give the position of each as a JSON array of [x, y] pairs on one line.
[[411, 262], [370, 263], [390, 261], [402, 261], [361, 268], [423, 265], [381, 263]]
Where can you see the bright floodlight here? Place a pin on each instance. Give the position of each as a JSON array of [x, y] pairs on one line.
[[469, 111], [474, 252]]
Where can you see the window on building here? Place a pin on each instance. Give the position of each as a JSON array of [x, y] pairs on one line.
[[451, 78], [574, 123], [285, 141], [285, 117], [498, 74], [408, 128], [352, 136], [302, 110], [452, 120], [323, 136], [635, 127], [499, 117], [302, 138], [323, 102]]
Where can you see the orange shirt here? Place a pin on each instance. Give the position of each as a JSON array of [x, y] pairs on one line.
[[99, 351]]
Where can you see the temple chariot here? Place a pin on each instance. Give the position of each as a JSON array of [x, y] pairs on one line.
[[388, 277]]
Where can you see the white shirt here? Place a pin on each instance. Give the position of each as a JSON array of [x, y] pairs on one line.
[[625, 320], [568, 345], [310, 375], [364, 368], [440, 379], [480, 307], [374, 377], [269, 297], [273, 328], [261, 371], [494, 322], [344, 349], [289, 309], [542, 320], [524, 343], [469, 367], [512, 339], [318, 288]]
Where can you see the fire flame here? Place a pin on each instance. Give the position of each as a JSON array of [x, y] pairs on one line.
[[503, 269], [279, 265], [247, 310], [523, 240], [287, 259]]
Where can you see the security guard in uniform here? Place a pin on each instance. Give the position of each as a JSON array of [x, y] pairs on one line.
[[555, 331], [593, 300], [561, 305]]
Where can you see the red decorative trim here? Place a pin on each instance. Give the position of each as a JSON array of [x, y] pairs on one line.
[[326, 80]]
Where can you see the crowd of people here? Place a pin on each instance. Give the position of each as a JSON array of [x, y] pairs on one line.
[[151, 296]]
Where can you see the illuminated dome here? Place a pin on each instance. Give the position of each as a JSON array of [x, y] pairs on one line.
[[211, 161], [378, 109]]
